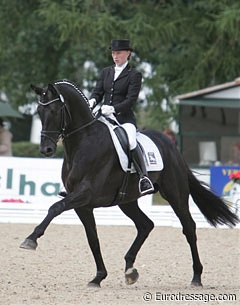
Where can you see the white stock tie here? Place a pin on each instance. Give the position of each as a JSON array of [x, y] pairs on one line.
[[118, 71]]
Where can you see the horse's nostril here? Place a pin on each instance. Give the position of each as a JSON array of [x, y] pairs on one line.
[[47, 151]]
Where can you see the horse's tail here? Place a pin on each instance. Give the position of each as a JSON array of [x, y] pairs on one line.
[[212, 207]]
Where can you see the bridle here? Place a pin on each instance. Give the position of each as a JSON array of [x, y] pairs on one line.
[[65, 112]]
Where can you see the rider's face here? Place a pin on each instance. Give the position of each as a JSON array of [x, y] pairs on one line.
[[120, 57]]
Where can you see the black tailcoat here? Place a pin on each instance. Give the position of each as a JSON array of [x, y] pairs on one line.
[[121, 93]]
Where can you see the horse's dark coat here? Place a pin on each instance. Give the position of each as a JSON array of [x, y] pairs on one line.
[[92, 176]]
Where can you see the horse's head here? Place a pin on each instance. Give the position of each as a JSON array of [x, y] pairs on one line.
[[51, 110]]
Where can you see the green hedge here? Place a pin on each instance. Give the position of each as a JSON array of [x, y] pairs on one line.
[[28, 149]]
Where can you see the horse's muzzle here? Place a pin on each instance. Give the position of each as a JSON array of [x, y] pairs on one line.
[[47, 151], [48, 143]]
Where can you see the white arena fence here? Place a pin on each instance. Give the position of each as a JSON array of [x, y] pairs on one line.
[[29, 186]]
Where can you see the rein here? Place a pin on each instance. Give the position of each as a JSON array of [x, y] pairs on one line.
[[65, 135]]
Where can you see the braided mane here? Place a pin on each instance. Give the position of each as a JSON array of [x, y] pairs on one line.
[[67, 82]]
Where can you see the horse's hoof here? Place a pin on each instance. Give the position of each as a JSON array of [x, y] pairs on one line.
[[196, 284], [131, 276], [93, 285], [28, 244]]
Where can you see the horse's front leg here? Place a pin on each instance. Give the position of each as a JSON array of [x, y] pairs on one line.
[[144, 226], [56, 209], [88, 220]]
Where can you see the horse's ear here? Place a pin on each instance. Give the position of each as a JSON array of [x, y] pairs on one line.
[[37, 90], [52, 88]]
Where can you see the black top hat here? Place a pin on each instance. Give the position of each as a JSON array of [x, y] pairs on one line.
[[120, 44]]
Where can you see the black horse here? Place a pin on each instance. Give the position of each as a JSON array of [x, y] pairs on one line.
[[93, 178]]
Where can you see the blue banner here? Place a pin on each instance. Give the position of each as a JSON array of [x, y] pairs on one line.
[[219, 179]]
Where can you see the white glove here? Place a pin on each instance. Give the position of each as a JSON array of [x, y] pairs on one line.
[[107, 110], [92, 102]]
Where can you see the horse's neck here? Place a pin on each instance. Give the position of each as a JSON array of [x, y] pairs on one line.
[[77, 104], [94, 137], [80, 114]]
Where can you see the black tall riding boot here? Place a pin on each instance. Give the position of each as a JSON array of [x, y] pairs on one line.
[[145, 184]]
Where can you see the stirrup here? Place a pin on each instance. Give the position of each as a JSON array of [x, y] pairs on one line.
[[145, 186]]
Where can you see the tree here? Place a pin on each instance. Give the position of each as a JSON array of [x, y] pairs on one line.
[[189, 44]]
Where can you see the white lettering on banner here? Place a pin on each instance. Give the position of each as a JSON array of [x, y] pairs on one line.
[[28, 187], [36, 181], [30, 176]]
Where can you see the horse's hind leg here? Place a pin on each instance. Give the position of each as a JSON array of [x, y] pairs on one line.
[[88, 220], [144, 226], [189, 230]]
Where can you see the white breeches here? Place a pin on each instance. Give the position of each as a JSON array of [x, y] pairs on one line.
[[132, 134]]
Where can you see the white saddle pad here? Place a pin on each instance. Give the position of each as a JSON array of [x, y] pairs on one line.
[[151, 154]]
